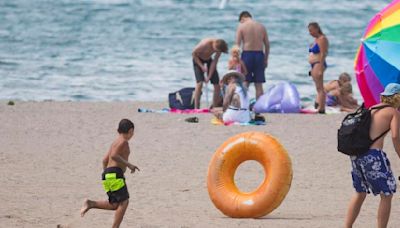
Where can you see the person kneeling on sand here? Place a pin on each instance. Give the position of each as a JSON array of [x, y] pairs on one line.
[[236, 103], [115, 163], [371, 170], [332, 89], [346, 100]]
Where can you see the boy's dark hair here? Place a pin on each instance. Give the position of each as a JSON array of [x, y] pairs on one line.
[[244, 14], [222, 45], [125, 125]]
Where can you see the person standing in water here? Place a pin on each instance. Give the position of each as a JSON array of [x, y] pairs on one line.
[[317, 59]]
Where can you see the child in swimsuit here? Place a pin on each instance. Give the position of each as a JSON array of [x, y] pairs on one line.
[[115, 163], [235, 63]]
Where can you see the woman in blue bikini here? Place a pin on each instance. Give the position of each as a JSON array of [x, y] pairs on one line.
[[318, 52]]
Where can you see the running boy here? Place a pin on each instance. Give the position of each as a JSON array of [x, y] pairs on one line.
[[115, 163], [371, 170]]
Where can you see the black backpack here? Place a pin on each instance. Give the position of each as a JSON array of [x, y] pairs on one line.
[[353, 135], [182, 99]]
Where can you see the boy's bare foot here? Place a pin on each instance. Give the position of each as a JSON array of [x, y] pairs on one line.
[[85, 207]]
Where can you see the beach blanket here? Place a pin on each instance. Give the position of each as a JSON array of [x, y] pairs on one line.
[[173, 110], [328, 110], [217, 121]]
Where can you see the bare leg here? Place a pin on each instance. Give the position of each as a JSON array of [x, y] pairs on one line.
[[259, 90], [218, 112], [217, 96], [197, 94], [384, 210], [89, 204], [318, 78], [119, 213], [354, 208]]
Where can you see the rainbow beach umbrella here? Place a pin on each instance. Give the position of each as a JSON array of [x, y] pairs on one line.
[[377, 61]]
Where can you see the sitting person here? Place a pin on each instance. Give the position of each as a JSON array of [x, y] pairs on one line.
[[235, 63], [332, 89], [345, 99], [235, 106]]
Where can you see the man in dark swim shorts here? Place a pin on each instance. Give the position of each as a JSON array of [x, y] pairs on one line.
[[203, 62], [371, 171], [253, 38]]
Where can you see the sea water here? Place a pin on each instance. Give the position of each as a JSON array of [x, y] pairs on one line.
[[124, 50]]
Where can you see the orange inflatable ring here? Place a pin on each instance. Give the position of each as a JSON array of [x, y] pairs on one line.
[[262, 148]]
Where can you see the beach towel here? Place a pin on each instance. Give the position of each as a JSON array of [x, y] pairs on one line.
[[217, 121], [174, 110], [328, 110]]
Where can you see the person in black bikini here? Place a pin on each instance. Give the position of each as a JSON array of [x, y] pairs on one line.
[[318, 52]]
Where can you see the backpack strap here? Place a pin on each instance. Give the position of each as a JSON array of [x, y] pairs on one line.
[[379, 108], [380, 135]]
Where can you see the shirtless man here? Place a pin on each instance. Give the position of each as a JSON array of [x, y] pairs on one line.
[[115, 163], [204, 63], [253, 38], [371, 170]]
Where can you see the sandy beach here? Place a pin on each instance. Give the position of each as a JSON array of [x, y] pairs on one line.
[[51, 152]]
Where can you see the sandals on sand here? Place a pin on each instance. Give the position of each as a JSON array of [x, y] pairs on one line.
[[192, 120]]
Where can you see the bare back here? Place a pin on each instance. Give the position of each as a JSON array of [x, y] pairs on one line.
[[204, 50], [119, 147], [382, 120], [252, 34]]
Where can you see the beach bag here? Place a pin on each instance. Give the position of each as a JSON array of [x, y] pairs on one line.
[[182, 99], [353, 134]]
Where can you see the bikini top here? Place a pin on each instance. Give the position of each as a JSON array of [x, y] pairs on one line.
[[314, 49]]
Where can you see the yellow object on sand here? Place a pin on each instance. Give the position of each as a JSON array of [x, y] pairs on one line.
[[275, 160]]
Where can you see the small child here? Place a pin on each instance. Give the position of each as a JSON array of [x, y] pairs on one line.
[[115, 163], [235, 63]]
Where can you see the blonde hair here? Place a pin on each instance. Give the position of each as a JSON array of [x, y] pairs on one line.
[[344, 77], [235, 48], [346, 88], [393, 100]]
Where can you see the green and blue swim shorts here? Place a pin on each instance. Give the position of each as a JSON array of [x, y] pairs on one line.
[[114, 185]]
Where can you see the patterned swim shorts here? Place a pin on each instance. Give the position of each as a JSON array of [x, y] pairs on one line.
[[371, 171]]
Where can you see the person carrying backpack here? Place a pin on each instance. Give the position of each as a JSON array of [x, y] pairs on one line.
[[371, 170]]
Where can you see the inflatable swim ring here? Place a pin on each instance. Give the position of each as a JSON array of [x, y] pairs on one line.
[[265, 198]]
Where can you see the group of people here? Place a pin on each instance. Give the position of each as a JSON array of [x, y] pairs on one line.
[[371, 171], [252, 39]]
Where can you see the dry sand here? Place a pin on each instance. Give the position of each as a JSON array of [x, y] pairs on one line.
[[51, 152]]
